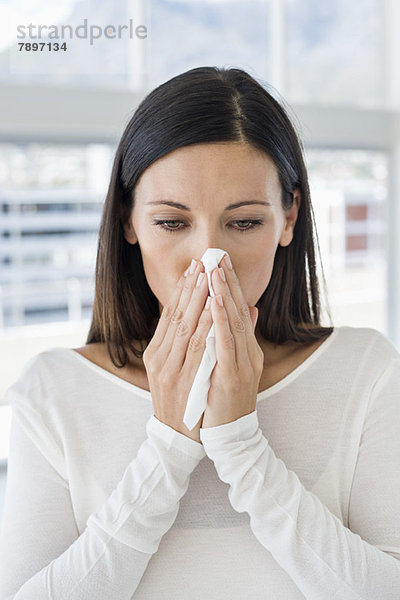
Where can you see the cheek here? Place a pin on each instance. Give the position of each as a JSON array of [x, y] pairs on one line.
[[157, 253], [161, 283], [256, 278]]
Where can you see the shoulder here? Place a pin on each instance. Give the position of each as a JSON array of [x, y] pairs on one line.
[[366, 336], [369, 339], [37, 378]]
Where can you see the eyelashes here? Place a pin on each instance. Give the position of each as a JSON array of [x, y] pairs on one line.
[[254, 223]]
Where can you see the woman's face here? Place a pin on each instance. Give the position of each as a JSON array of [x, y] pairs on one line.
[[214, 195]]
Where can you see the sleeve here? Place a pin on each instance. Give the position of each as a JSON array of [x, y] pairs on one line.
[[42, 555], [324, 558]]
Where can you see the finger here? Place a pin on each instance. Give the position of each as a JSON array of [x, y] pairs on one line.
[[197, 343], [253, 316], [185, 319], [224, 341], [187, 340], [236, 322], [166, 314], [236, 292]]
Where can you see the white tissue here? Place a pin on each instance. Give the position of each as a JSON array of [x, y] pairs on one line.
[[197, 399]]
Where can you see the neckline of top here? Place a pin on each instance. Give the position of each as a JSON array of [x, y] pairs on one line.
[[260, 396]]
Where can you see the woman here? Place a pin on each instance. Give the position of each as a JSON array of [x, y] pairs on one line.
[[288, 486]]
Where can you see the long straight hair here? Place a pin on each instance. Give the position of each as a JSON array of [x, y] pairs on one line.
[[205, 104]]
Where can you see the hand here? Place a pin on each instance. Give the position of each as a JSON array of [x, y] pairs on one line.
[[174, 353], [236, 376]]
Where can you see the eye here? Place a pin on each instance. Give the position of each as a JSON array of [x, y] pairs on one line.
[[254, 223]]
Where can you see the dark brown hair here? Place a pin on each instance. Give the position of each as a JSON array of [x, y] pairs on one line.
[[205, 104]]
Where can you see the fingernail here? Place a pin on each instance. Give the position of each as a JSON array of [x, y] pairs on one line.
[[221, 273], [228, 262], [200, 279], [192, 266], [186, 272]]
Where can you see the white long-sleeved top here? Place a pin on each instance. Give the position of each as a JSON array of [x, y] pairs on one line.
[[298, 499]]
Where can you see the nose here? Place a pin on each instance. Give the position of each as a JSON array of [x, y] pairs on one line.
[[203, 251], [208, 234]]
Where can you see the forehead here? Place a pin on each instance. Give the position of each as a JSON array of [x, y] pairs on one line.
[[226, 166]]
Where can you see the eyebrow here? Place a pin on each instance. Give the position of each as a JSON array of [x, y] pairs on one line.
[[229, 207]]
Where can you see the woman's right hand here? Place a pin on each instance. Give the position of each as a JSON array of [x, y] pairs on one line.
[[174, 353]]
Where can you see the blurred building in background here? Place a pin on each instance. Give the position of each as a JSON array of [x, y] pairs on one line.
[[51, 199]]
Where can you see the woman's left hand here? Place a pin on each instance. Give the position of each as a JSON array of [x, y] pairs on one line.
[[237, 372]]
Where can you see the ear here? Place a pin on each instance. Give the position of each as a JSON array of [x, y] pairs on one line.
[[290, 219], [129, 233]]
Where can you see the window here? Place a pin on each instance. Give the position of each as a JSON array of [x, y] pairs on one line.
[[211, 32], [334, 52], [51, 198], [349, 191], [105, 43]]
